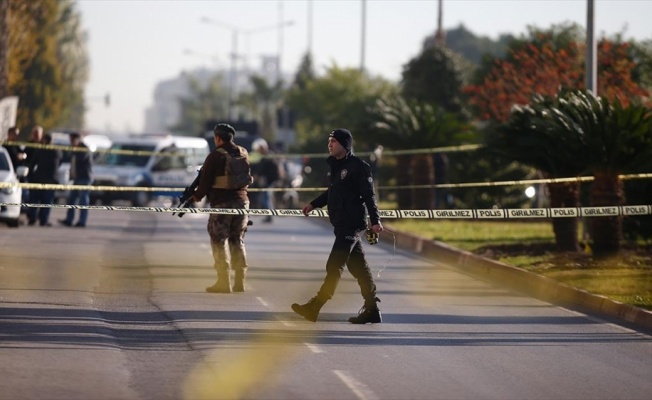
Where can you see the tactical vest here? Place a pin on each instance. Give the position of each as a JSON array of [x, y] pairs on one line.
[[237, 171]]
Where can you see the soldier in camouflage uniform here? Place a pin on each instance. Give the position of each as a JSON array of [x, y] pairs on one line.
[[226, 231]]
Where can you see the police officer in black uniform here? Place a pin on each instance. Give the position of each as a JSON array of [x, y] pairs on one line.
[[350, 196]]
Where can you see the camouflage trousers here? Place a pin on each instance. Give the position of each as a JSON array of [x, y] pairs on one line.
[[227, 238]]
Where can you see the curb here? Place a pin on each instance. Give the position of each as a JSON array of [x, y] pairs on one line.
[[520, 280]]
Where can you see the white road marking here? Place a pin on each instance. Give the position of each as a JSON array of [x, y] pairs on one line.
[[361, 390], [287, 323], [263, 302], [315, 349]]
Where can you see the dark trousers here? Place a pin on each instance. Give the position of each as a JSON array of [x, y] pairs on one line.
[[347, 249], [40, 213], [79, 197]]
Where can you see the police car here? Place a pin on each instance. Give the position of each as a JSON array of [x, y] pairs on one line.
[[148, 160]]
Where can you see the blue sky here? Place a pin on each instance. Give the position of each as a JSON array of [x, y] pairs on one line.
[[133, 44]]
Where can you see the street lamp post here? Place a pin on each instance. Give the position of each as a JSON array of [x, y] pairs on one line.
[[235, 31], [234, 51]]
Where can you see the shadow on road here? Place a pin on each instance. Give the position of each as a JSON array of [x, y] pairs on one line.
[[56, 327]]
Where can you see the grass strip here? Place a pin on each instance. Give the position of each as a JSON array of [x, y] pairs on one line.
[[626, 277]]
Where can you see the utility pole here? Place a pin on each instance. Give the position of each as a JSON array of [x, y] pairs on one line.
[[234, 56], [591, 69], [440, 36], [363, 35], [280, 43], [309, 44]]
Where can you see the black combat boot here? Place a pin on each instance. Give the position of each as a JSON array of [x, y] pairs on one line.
[[368, 313], [310, 310]]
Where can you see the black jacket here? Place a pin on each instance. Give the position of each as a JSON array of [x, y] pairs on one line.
[[83, 164], [13, 151], [44, 166], [350, 190]]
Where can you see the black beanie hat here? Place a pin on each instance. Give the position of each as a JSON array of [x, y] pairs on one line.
[[344, 137], [224, 131]]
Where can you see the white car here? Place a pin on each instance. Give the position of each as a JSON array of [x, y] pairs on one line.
[[11, 194]]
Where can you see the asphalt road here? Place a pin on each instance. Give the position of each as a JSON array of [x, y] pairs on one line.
[[118, 311]]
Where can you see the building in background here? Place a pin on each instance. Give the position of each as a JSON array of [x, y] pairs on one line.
[[165, 110]]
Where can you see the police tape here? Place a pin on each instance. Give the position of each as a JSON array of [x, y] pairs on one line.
[[158, 189], [577, 179], [431, 150], [144, 153], [80, 149], [56, 186], [493, 213]]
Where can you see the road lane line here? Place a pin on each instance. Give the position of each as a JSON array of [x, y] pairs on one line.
[[359, 389], [287, 323], [263, 302], [315, 349]]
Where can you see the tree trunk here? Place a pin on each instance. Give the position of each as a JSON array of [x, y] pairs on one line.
[[403, 196], [606, 232], [423, 173], [565, 194]]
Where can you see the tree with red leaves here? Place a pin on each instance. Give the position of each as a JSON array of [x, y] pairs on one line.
[[546, 63]]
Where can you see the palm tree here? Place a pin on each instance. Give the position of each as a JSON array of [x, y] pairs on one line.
[[615, 140], [533, 137], [586, 134], [404, 124]]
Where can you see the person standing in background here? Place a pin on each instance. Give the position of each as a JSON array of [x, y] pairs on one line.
[[267, 173], [16, 153], [36, 137], [43, 168], [81, 173]]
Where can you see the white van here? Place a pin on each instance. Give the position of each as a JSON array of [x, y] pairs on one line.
[[163, 161]]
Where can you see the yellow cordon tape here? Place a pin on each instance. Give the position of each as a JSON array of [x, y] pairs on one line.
[[57, 186], [494, 213], [445, 149], [54, 186]]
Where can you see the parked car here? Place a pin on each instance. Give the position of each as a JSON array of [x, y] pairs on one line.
[[12, 194], [150, 161]]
